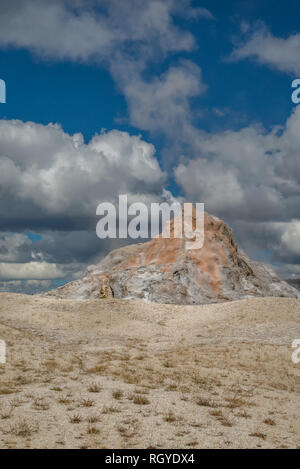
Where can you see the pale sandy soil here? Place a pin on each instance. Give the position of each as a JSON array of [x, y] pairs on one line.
[[122, 374]]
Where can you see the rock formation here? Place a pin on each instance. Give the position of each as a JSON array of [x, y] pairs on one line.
[[164, 271]]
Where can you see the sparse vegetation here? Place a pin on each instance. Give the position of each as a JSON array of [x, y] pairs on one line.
[[6, 391], [93, 419], [64, 400], [270, 422], [76, 418], [23, 428], [87, 403], [6, 413], [258, 435], [140, 400], [118, 394], [110, 410], [40, 404], [56, 389], [205, 402], [143, 392], [92, 430], [170, 417], [94, 388]]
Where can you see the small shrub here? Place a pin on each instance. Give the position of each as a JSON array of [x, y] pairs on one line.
[[140, 400], [92, 430], [87, 403], [270, 422], [23, 428], [93, 419], [94, 388], [75, 418], [117, 394], [170, 417], [205, 402], [258, 435]]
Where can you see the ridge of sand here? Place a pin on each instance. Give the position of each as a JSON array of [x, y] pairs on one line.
[[128, 374]]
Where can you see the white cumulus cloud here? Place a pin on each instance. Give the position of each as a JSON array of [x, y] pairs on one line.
[[30, 271], [45, 173], [276, 52]]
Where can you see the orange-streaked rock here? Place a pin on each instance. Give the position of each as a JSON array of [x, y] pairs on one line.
[[164, 271]]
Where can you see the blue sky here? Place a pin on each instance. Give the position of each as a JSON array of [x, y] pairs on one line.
[[199, 87], [84, 97]]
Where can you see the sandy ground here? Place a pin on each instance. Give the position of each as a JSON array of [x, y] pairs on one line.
[[123, 374]]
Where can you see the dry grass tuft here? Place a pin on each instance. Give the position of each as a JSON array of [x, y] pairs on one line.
[[270, 422], [258, 435], [205, 402], [87, 403], [118, 394], [23, 428], [76, 418], [93, 419], [92, 430], [94, 388], [140, 400]]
